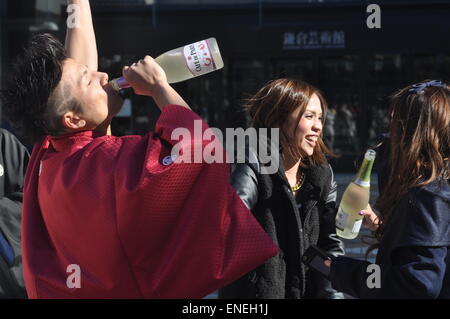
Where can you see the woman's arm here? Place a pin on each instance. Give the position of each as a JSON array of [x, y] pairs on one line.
[[415, 272], [413, 254]]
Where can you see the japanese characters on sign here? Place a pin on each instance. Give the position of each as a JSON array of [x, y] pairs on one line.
[[307, 40]]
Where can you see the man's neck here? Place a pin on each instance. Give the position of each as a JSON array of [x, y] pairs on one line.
[[104, 128]]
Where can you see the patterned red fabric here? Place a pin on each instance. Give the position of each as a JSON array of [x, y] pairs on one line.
[[137, 227]]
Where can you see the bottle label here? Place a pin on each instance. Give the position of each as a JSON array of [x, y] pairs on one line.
[[357, 226], [198, 58], [341, 219], [362, 183]]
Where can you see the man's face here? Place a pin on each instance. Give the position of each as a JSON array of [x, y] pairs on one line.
[[98, 102]]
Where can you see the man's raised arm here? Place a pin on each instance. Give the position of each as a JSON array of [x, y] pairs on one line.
[[80, 37]]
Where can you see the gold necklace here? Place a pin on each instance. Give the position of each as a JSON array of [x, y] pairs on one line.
[[299, 184]]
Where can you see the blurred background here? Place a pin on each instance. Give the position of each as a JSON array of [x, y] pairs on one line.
[[324, 42]]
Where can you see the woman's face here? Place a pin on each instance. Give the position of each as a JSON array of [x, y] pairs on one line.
[[309, 127]]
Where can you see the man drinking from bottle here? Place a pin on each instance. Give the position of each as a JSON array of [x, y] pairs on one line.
[[115, 217]]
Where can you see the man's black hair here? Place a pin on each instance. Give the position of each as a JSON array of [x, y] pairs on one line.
[[30, 85]]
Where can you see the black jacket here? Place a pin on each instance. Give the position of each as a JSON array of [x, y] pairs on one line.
[[270, 199], [13, 162]]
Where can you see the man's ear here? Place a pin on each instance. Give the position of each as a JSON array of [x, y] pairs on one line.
[[72, 121]]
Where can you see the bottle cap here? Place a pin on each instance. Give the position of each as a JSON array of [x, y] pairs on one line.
[[370, 155], [119, 83]]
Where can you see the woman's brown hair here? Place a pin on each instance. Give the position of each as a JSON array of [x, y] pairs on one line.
[[271, 106], [419, 144]]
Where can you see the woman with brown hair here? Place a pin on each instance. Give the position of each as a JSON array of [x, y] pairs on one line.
[[413, 231], [296, 204]]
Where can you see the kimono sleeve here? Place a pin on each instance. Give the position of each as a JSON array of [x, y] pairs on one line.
[[183, 227]]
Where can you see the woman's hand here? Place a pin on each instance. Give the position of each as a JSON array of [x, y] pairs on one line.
[[370, 220]]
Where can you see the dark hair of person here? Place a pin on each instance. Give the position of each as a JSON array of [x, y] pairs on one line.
[[271, 106], [419, 145], [32, 99]]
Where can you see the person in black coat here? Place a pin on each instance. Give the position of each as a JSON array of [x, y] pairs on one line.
[[413, 259], [13, 162], [296, 203]]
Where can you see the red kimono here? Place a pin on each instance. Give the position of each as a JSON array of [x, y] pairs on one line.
[[137, 225]]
